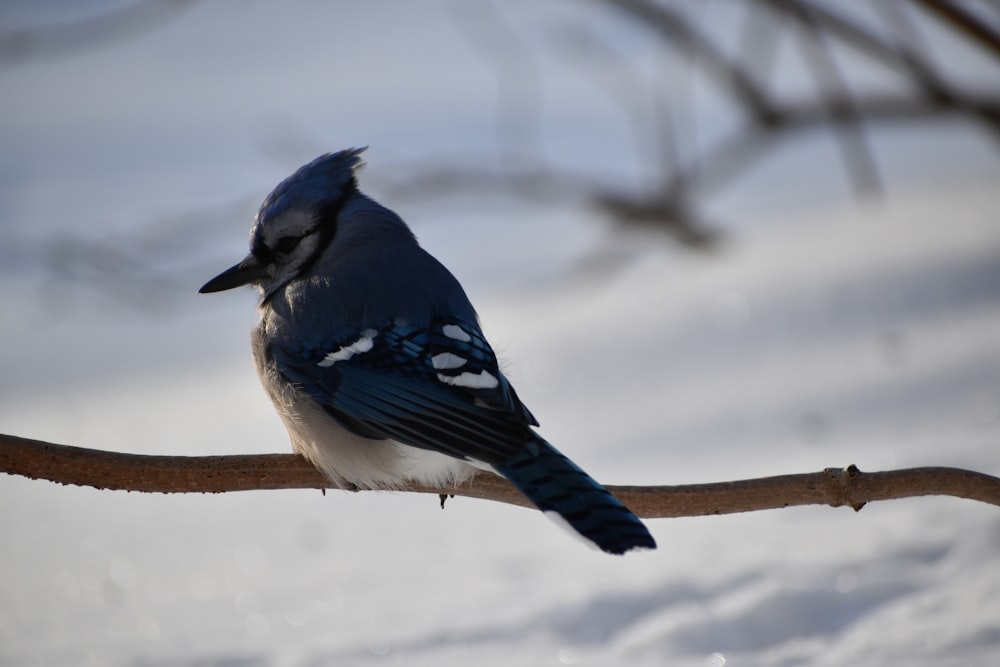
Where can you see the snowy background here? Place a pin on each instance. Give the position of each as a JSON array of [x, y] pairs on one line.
[[824, 331]]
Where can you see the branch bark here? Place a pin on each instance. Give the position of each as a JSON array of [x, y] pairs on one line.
[[217, 474]]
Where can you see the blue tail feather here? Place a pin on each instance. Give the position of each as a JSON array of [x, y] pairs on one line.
[[556, 484]]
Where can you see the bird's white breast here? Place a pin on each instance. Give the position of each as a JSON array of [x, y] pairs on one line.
[[351, 461]]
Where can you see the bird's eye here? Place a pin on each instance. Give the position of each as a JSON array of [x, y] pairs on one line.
[[286, 244]]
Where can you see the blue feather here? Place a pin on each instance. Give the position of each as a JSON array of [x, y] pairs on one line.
[[555, 484], [391, 389]]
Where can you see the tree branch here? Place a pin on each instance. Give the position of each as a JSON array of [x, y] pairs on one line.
[[217, 474]]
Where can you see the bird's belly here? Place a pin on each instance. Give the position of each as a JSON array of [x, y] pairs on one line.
[[351, 461]]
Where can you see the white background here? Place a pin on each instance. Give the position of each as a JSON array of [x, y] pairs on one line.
[[824, 331]]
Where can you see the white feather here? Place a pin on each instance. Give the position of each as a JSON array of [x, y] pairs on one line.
[[481, 380]]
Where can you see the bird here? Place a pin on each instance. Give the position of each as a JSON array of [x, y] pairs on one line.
[[376, 363]]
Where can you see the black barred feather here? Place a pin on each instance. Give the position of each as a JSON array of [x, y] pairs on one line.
[[556, 484]]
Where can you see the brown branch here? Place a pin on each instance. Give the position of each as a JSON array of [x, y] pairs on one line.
[[965, 22], [216, 474]]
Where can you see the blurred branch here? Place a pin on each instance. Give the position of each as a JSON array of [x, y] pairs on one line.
[[965, 22], [746, 73], [905, 56], [217, 474], [844, 118], [678, 33]]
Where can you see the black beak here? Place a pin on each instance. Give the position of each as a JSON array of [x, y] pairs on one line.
[[249, 271]]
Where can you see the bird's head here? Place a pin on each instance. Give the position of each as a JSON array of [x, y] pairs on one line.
[[295, 224]]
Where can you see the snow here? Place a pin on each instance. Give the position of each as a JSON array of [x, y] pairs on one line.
[[824, 332]]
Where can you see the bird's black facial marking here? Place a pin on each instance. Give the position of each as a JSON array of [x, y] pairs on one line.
[[322, 228], [260, 250], [326, 219], [286, 244], [326, 229]]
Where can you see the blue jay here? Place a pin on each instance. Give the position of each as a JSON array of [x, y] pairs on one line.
[[375, 361]]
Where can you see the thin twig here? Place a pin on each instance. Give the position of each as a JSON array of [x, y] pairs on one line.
[[678, 33], [965, 22], [217, 474], [844, 120]]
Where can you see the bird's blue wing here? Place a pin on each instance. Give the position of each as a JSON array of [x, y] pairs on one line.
[[436, 387]]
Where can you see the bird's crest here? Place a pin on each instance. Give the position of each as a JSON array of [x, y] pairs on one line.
[[326, 181]]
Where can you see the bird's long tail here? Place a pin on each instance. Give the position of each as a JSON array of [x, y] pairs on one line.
[[556, 484]]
